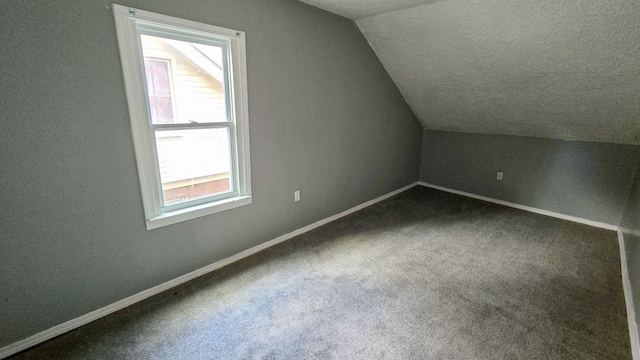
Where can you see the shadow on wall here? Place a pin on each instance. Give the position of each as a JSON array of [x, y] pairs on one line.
[[573, 170], [631, 219]]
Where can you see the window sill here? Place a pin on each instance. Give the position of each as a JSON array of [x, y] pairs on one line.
[[177, 216]]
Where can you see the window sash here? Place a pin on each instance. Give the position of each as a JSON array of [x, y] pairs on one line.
[[233, 171], [159, 30]]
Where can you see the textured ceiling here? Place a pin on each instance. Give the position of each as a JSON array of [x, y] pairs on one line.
[[567, 69], [358, 9]]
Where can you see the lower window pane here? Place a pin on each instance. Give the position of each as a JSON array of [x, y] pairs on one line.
[[194, 163]]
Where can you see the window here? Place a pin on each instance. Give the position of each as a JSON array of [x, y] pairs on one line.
[[187, 94]]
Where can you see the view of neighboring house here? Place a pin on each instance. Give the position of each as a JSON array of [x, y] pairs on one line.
[[185, 84]]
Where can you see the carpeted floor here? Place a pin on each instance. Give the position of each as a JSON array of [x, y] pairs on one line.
[[423, 275]]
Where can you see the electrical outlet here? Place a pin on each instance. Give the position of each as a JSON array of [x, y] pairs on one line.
[[296, 195], [499, 176]]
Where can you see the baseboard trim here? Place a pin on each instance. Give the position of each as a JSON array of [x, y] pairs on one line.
[[524, 207], [119, 305], [631, 314], [631, 232]]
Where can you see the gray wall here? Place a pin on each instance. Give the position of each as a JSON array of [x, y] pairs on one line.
[[325, 118], [631, 231], [584, 179]]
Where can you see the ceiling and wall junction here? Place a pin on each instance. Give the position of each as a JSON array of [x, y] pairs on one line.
[[551, 69]]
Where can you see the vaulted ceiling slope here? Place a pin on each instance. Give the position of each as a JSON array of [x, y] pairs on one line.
[[565, 69]]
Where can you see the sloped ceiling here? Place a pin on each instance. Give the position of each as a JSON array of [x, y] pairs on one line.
[[566, 69]]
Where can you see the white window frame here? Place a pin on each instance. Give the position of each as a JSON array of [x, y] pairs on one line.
[[129, 21]]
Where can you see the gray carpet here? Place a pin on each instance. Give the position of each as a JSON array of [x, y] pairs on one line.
[[423, 275]]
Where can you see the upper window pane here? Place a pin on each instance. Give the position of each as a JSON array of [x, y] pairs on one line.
[[185, 81]]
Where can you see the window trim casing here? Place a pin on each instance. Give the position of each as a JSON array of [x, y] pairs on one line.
[[127, 20]]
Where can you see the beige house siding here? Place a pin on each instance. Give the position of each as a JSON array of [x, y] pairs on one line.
[[195, 88]]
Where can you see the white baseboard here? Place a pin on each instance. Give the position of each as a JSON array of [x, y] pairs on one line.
[[632, 232], [109, 309], [631, 313], [524, 207]]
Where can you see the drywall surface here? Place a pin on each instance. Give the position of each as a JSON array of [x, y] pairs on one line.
[[630, 228], [631, 220], [549, 69], [325, 118], [584, 179], [358, 9]]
